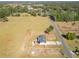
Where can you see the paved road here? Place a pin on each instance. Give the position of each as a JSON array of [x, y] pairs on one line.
[[58, 33]]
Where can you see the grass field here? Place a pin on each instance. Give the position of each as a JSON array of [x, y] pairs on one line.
[[18, 32]]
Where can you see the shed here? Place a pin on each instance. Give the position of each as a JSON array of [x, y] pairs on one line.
[[41, 39]]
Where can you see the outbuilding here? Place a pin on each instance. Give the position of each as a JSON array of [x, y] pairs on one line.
[[41, 39]]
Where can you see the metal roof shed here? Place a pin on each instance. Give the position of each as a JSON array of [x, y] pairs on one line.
[[41, 39]]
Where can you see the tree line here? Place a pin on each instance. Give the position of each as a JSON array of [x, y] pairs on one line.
[[62, 11]]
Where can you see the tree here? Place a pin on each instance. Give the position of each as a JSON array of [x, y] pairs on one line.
[[4, 12], [11, 10], [33, 13], [49, 29], [39, 14], [76, 18], [18, 9], [70, 36], [25, 9]]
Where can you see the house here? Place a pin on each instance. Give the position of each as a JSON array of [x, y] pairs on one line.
[[41, 39]]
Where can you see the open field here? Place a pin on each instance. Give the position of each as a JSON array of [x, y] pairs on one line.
[[17, 34], [68, 27], [13, 33], [39, 29]]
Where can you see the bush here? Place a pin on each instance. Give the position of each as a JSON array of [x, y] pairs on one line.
[[39, 14], [4, 19], [33, 14], [70, 36], [49, 29]]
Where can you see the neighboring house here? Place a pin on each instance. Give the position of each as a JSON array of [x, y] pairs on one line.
[[41, 39]]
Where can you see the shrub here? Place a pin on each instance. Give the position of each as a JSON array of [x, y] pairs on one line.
[[33, 14], [49, 29], [70, 36], [39, 14], [5, 19]]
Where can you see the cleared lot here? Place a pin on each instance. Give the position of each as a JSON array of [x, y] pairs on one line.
[[13, 33], [17, 35], [68, 27]]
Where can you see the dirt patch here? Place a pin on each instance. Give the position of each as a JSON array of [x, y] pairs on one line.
[[68, 27]]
